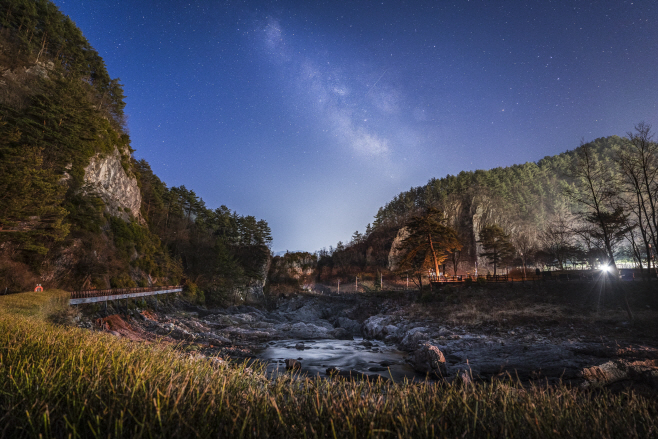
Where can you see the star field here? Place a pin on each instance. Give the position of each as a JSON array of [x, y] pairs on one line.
[[312, 116]]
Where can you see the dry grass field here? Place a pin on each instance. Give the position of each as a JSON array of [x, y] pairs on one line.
[[59, 381]]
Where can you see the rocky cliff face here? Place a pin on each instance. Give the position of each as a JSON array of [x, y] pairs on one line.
[[396, 253], [467, 215], [254, 289], [301, 267], [105, 177]]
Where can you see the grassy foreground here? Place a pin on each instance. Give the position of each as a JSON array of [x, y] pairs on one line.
[[68, 382]]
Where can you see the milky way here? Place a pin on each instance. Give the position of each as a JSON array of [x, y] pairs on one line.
[[312, 116]]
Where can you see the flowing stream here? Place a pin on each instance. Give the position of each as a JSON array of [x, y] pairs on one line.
[[346, 355]]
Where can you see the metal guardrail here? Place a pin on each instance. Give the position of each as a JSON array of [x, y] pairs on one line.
[[92, 296], [114, 291]]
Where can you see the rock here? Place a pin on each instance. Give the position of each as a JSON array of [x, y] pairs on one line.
[[352, 326], [307, 331], [332, 370], [413, 338], [214, 338], [397, 251], [366, 343], [618, 370], [300, 346], [324, 324], [38, 70], [341, 334], [255, 293], [605, 373], [379, 327], [309, 313], [429, 359], [292, 364], [106, 177]]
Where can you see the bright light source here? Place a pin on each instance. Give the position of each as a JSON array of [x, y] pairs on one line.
[[605, 268]]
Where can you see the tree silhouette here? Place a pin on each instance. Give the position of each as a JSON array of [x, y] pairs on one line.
[[496, 244]]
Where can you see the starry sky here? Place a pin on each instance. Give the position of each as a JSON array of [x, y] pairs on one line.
[[312, 115]]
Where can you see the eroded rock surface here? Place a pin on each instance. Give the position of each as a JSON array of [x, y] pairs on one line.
[[120, 192]]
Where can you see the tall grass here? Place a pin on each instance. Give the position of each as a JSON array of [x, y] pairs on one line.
[[68, 382]]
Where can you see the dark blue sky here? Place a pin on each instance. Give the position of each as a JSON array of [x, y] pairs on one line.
[[312, 116]]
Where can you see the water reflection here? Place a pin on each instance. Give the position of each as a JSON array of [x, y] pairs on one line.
[[367, 357]]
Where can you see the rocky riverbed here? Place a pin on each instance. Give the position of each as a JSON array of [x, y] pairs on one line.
[[367, 336]]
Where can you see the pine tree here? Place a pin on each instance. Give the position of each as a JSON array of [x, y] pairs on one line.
[[428, 244]]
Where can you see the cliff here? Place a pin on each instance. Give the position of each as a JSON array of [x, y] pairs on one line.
[[106, 177]]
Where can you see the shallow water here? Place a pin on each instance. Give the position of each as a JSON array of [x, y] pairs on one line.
[[346, 355]]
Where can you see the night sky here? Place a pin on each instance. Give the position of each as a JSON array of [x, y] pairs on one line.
[[312, 116]]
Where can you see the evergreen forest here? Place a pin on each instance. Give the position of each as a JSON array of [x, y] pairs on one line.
[[59, 109]]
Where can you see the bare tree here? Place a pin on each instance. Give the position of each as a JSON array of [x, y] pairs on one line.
[[455, 258], [525, 242], [595, 190], [638, 162], [558, 239]]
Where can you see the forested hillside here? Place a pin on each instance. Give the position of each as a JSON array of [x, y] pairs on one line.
[[544, 209], [63, 221]]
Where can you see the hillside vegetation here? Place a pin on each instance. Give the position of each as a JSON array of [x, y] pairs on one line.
[[60, 110]]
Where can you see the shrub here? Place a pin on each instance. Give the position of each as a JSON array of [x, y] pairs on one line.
[[191, 291], [98, 283], [122, 281]]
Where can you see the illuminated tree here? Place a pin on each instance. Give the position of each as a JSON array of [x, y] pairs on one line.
[[428, 244]]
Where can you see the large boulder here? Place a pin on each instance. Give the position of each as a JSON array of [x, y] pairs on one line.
[[341, 334], [619, 370], [605, 373], [307, 331], [429, 359], [413, 338], [352, 326], [379, 327]]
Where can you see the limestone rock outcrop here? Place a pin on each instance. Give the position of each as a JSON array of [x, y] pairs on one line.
[[254, 291], [105, 177], [397, 253]]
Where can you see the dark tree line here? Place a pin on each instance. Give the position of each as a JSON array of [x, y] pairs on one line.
[[217, 248]]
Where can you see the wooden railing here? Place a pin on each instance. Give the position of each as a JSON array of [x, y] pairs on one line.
[[528, 278]]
